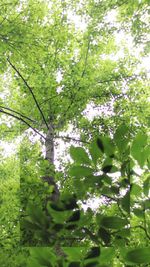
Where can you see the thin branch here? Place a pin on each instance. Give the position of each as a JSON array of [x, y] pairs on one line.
[[18, 113], [117, 202], [86, 57], [20, 119], [71, 138], [78, 83], [92, 236], [30, 89], [119, 78], [109, 197], [143, 228]]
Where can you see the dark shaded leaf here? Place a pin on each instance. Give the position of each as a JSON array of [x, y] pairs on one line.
[[92, 264], [94, 252], [58, 227], [104, 235], [71, 205], [115, 189], [100, 144], [75, 216], [57, 207], [107, 168], [74, 264], [108, 145], [125, 202], [71, 227]]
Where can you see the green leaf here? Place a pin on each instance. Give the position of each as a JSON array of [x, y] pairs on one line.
[[113, 222], [146, 186], [34, 262], [95, 151], [137, 148], [138, 212], [139, 255], [109, 148], [136, 190], [125, 202], [59, 217], [147, 204], [74, 253], [80, 171], [79, 155], [44, 256], [121, 137], [107, 255]]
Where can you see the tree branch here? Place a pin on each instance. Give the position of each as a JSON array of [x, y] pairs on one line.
[[20, 119], [78, 83], [71, 138], [18, 113], [92, 236], [143, 228], [30, 89]]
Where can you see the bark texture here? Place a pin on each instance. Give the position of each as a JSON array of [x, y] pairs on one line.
[[49, 146]]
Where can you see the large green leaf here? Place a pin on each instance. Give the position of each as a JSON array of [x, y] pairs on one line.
[[146, 186], [138, 150], [44, 256], [95, 152], [108, 146], [59, 217], [125, 202], [79, 155], [139, 255], [121, 137], [113, 222], [136, 190], [80, 171], [107, 255], [75, 253]]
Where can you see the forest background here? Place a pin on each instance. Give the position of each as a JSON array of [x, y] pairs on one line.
[[74, 118]]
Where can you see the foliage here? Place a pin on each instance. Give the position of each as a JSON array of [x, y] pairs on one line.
[[58, 59]]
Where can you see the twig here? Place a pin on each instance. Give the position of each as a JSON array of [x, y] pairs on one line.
[[20, 119], [71, 138], [18, 113], [143, 228], [30, 89]]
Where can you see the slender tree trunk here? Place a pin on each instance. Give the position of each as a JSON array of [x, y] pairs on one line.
[[50, 150], [49, 145]]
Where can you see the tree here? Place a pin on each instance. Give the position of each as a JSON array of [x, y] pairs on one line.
[[52, 70]]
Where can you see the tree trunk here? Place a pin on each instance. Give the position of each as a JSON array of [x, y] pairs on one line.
[[49, 145]]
